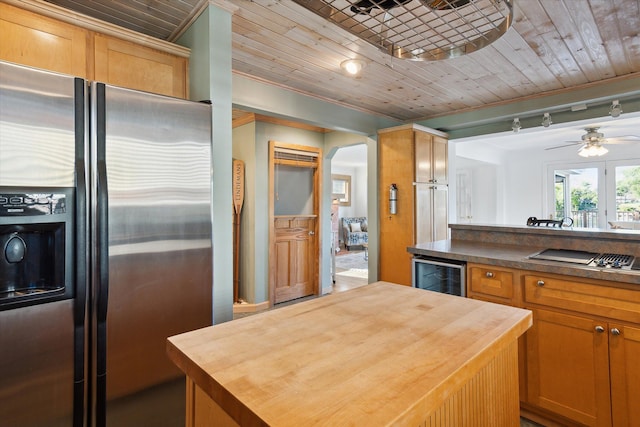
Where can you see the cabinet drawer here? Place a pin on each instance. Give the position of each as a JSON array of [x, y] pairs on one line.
[[491, 281], [600, 300]]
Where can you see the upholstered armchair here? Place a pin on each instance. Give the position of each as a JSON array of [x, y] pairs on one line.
[[354, 231]]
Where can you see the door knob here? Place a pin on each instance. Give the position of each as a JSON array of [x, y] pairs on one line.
[[540, 283], [311, 233], [615, 331], [599, 329], [489, 274]]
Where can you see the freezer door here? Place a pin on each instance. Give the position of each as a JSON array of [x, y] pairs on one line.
[[41, 346], [153, 172], [37, 128]]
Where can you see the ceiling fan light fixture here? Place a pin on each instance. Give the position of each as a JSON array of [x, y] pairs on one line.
[[546, 120], [352, 66], [616, 109], [592, 150]]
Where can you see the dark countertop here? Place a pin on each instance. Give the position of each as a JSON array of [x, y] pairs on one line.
[[512, 246]]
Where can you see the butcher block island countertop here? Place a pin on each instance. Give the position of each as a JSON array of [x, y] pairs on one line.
[[378, 355]]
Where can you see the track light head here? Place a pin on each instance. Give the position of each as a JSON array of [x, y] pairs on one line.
[[515, 126], [616, 109]]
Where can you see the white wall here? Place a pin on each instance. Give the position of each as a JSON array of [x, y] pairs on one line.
[[518, 186], [358, 190]]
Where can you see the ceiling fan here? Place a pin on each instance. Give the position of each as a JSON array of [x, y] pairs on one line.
[[592, 142]]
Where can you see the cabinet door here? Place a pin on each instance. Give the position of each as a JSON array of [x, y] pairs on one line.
[[122, 63], [624, 347], [41, 42], [440, 219], [568, 367], [431, 158], [423, 155], [440, 160]]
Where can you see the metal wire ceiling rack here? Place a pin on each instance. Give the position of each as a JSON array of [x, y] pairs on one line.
[[420, 30]]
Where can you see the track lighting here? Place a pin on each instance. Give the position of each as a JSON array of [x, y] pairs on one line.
[[515, 126], [616, 109], [352, 66], [546, 120]]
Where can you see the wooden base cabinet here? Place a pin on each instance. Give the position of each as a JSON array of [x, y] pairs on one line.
[[568, 367], [624, 358], [582, 352]]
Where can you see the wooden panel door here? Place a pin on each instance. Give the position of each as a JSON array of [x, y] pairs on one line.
[[295, 260], [37, 41], [624, 348], [568, 367], [122, 63]]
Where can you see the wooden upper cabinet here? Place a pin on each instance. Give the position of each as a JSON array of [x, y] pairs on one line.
[[123, 63], [37, 41], [47, 43], [431, 158]]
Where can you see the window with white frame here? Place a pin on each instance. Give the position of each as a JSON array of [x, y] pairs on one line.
[[595, 194]]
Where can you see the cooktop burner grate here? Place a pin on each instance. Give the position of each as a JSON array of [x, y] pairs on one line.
[[622, 260]]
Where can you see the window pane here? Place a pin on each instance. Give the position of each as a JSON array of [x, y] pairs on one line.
[[627, 193], [576, 196]]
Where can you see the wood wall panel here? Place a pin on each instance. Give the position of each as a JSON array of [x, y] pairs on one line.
[[396, 166]]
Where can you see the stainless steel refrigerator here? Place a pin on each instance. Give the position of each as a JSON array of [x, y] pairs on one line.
[[106, 249]]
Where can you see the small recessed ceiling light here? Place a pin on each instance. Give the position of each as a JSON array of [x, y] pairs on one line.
[[352, 66]]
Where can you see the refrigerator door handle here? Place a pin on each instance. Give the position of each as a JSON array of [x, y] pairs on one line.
[[82, 260], [102, 254]]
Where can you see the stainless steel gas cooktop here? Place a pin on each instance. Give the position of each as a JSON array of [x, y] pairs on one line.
[[591, 259]]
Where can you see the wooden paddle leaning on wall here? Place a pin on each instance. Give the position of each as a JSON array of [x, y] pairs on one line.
[[238, 200]]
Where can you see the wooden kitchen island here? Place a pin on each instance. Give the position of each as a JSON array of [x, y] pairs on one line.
[[378, 355]]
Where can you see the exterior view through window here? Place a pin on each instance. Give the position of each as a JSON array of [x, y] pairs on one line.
[[596, 195]]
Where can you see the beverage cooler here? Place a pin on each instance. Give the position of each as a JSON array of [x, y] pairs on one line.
[[439, 275]]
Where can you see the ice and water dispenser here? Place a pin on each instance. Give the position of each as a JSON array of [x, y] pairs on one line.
[[36, 245]]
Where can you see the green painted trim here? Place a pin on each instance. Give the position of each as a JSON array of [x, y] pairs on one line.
[[270, 100], [498, 118]]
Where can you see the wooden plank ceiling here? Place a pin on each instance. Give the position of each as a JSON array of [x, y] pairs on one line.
[[552, 46]]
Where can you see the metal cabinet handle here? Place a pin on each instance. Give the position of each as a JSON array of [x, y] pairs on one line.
[[311, 233], [615, 331], [540, 283], [599, 329], [489, 274]]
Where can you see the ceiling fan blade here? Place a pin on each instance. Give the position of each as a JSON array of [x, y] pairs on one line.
[[566, 145], [631, 139]]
